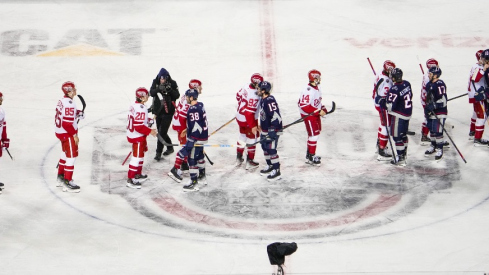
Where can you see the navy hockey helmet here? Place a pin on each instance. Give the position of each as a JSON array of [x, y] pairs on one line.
[[485, 54], [436, 71], [192, 93], [265, 86], [396, 74]]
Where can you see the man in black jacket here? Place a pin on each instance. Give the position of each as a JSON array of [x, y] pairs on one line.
[[164, 91]]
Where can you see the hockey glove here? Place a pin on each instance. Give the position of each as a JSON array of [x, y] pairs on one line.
[[6, 143], [383, 103], [150, 122], [80, 114], [272, 134], [480, 94]]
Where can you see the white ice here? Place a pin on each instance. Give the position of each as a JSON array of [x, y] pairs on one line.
[[352, 215]]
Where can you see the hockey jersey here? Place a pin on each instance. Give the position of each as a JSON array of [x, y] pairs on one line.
[[383, 87], [197, 128], [137, 123], [426, 79], [65, 119], [248, 104], [270, 117], [399, 100], [3, 125], [476, 75], [179, 120], [437, 92], [310, 100]]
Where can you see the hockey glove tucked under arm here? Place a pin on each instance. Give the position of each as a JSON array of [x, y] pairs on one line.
[[480, 94], [80, 114]]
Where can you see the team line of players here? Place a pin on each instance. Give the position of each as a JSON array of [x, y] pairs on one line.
[[258, 117], [393, 100]]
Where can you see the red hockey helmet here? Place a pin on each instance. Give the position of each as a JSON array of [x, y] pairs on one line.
[[194, 84], [68, 86], [478, 54], [141, 92], [256, 79], [1, 95], [389, 66], [431, 63], [313, 75]]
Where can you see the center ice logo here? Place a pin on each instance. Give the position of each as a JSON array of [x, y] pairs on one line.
[[346, 196]]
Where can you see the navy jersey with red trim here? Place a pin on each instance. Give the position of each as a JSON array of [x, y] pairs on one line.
[[270, 114], [437, 92], [399, 100], [197, 123]]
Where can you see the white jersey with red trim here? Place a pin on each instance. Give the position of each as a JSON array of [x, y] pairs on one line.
[[248, 103], [310, 99], [137, 122], [425, 80], [383, 88], [179, 119], [3, 121], [476, 75], [65, 119]]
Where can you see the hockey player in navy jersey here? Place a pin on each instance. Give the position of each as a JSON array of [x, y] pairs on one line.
[[400, 107], [271, 126], [436, 111], [197, 135]]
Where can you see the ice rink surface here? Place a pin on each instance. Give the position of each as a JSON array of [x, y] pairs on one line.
[[352, 215]]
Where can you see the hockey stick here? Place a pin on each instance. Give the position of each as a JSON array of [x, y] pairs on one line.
[[124, 162], [457, 96], [6, 149], [421, 67], [371, 66], [225, 124], [83, 104], [454, 145], [243, 144]]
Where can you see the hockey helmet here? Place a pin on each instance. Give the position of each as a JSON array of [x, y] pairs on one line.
[[67, 87], [265, 86], [436, 71], [396, 75], [192, 93], [256, 79], [194, 84], [485, 54], [141, 92], [313, 75], [1, 95], [389, 66], [431, 63], [478, 54]]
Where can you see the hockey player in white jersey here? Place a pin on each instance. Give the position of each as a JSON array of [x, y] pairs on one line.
[[473, 119], [382, 84], [138, 128], [4, 140], [66, 130], [477, 99], [247, 119]]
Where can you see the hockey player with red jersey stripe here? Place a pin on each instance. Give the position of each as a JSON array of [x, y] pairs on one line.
[[311, 108], [66, 129], [470, 93], [382, 85], [4, 140], [138, 128], [477, 97], [179, 121], [247, 119]]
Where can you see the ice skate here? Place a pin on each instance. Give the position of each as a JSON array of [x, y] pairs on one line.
[[184, 167], [1, 187], [140, 177], [267, 170], [313, 160], [439, 154], [175, 174], [70, 186], [191, 187], [401, 161], [239, 159], [383, 155], [202, 178], [425, 140], [446, 144], [132, 183], [430, 151], [274, 175], [481, 142], [251, 164], [471, 135], [60, 180]]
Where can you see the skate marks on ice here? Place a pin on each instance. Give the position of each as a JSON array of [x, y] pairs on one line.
[[349, 193]]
